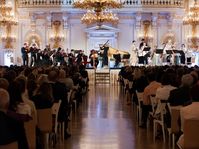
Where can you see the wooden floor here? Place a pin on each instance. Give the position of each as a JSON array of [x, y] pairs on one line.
[[105, 121]]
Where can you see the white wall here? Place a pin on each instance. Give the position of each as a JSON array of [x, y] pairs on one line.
[[125, 36], [77, 36]]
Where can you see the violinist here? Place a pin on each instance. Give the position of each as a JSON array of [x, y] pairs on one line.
[[24, 52]]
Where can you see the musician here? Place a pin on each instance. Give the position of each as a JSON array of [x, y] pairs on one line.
[[134, 54], [140, 52], [142, 55], [117, 57], [79, 57], [182, 54], [33, 54], [188, 56], [94, 58], [104, 50], [24, 52], [46, 55], [168, 57]]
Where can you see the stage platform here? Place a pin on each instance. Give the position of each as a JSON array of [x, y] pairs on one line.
[[103, 75]]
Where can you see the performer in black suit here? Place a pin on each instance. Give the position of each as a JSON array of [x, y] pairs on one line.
[[24, 52], [105, 49], [33, 52]]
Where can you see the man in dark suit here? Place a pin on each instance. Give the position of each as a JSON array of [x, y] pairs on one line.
[[181, 96], [24, 52], [60, 93]]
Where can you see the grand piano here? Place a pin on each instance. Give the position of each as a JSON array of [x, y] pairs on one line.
[[114, 54]]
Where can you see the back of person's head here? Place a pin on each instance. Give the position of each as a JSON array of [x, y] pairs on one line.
[[62, 74], [4, 100], [42, 78], [52, 76], [151, 77], [187, 80], [194, 74], [166, 79], [46, 89], [22, 83], [4, 83]]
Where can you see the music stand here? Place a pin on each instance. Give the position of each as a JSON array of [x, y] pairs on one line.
[[181, 52], [169, 51], [159, 51], [176, 51], [147, 49], [126, 56]]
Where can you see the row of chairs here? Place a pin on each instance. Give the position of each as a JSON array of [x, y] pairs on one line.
[[160, 110]]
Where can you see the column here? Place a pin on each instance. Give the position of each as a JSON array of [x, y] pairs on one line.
[[154, 29], [66, 31], [48, 28], [138, 18]]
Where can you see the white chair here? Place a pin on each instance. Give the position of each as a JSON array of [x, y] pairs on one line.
[[30, 130], [175, 128], [153, 105], [139, 106], [44, 123], [55, 111], [191, 131], [159, 118]]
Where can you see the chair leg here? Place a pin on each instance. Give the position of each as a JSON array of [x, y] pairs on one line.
[[154, 131], [163, 133], [173, 141]]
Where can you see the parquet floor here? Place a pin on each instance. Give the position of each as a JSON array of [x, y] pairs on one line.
[[105, 121]]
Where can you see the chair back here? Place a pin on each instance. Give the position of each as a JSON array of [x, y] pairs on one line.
[[13, 145], [55, 111], [30, 130], [45, 120], [153, 102], [69, 96], [191, 131], [175, 119], [140, 97]]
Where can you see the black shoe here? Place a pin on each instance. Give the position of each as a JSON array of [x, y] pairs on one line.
[[67, 135]]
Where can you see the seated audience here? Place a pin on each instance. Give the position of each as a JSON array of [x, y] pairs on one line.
[[182, 95], [148, 91], [190, 112]]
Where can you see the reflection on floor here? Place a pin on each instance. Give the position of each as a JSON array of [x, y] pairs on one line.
[[105, 121]]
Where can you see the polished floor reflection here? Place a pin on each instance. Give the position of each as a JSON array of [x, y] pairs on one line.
[[105, 121]]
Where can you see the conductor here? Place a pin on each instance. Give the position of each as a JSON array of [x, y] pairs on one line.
[[104, 50]]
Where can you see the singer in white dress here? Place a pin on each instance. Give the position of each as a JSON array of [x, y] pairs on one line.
[[134, 56]]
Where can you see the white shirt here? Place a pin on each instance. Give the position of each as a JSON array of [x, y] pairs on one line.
[[163, 92]]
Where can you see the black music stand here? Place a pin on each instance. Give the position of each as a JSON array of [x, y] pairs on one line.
[[126, 56], [176, 51], [147, 49], [169, 51], [159, 51]]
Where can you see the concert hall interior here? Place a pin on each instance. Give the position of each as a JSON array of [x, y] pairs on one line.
[[99, 74]]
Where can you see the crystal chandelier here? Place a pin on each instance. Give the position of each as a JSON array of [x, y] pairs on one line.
[[7, 19], [192, 18], [104, 16], [98, 11]]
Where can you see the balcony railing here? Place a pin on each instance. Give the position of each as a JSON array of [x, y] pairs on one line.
[[127, 3]]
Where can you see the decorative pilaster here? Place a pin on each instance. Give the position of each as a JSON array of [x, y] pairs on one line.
[[66, 31], [48, 27], [138, 18], [155, 29]]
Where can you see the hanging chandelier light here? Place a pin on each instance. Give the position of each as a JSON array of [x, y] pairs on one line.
[[6, 15], [98, 11], [105, 16], [192, 18], [7, 20]]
